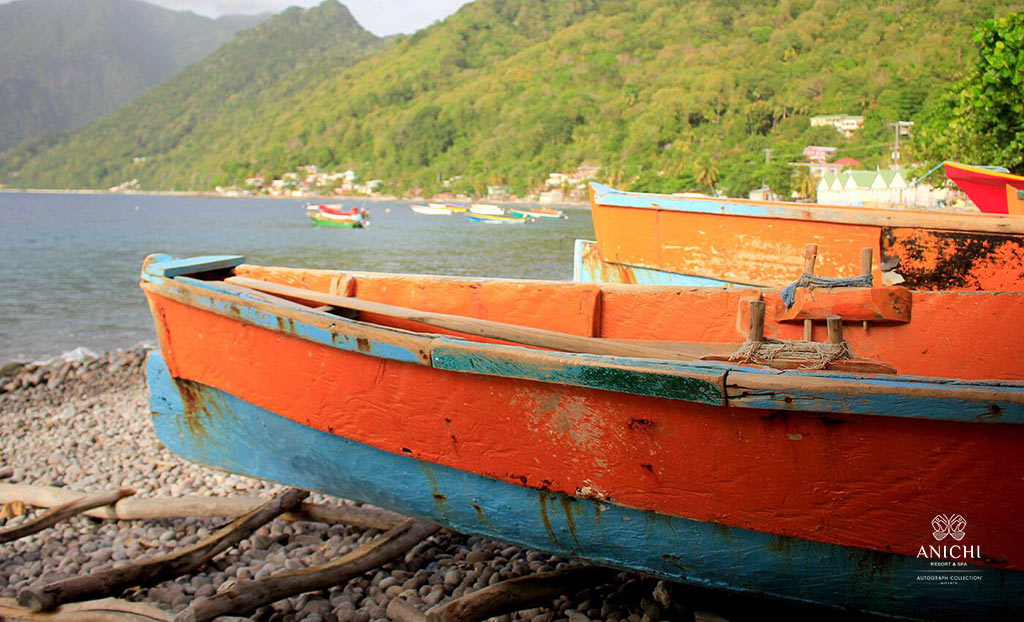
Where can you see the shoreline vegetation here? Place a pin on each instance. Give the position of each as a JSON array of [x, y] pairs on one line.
[[216, 195]]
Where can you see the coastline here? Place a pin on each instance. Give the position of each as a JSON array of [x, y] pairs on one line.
[[574, 205]]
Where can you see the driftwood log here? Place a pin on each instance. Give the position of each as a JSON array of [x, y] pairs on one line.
[[147, 572], [248, 595], [199, 507], [505, 597], [62, 512], [105, 610]]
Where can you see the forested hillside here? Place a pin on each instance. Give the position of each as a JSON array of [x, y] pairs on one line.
[[663, 94], [68, 62]]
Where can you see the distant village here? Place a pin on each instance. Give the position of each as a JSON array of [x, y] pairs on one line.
[[310, 181], [840, 180]]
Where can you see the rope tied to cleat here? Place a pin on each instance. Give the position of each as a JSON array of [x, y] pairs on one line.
[[810, 354]]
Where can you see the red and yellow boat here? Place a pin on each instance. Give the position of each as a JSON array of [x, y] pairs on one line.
[[993, 191], [688, 240], [656, 429]]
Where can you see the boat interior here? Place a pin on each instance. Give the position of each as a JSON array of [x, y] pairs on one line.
[[957, 335]]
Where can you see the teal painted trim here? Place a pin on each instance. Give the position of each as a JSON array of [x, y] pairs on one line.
[[225, 432], [912, 397], [169, 267], [605, 195], [703, 383], [244, 310], [590, 272]]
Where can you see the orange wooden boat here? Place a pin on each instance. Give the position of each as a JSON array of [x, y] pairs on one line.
[[639, 427], [720, 241]]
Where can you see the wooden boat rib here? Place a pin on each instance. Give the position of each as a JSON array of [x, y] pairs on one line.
[[697, 240], [787, 483]]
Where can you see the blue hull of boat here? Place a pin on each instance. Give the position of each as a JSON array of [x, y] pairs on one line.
[[209, 426]]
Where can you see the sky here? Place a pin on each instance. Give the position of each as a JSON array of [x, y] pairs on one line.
[[381, 17]]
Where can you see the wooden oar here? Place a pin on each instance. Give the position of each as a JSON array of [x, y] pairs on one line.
[[490, 329]]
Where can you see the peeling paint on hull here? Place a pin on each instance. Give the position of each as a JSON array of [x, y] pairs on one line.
[[240, 437]]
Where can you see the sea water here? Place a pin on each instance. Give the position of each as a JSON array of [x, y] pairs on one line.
[[69, 263]]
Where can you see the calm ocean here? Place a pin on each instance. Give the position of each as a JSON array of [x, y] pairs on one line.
[[69, 264]]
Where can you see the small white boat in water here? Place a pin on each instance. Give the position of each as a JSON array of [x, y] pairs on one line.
[[486, 208], [434, 209]]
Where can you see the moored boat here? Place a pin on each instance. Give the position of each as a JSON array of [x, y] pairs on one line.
[[337, 215], [538, 213], [624, 435], [704, 240], [486, 209], [496, 219], [994, 191], [431, 210]]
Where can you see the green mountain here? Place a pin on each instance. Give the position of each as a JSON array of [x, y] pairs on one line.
[[68, 62], [660, 93]]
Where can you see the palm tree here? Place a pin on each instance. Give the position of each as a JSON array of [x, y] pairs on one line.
[[806, 183], [707, 173]]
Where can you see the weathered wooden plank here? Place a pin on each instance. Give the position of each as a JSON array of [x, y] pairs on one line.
[[310, 325], [134, 508], [854, 304], [605, 195], [165, 266], [892, 396], [694, 382]]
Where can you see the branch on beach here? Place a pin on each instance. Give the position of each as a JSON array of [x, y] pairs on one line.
[[104, 610], [150, 571], [198, 507], [248, 595], [63, 512], [504, 597]]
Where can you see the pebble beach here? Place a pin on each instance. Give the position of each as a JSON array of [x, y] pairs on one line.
[[84, 425]]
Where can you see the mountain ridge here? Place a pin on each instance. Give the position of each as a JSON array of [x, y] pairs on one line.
[[661, 93]]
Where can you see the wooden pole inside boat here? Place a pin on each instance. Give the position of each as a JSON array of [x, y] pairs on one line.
[[835, 329], [865, 269], [756, 331], [810, 256], [513, 333]]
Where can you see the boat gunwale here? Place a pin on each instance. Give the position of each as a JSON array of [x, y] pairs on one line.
[[606, 196], [918, 397]]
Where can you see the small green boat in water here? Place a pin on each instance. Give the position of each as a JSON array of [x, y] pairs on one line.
[[337, 216]]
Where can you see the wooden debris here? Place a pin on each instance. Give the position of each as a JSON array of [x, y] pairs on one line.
[[62, 512], [400, 610], [505, 597], [198, 507], [150, 571], [248, 595], [105, 610]]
